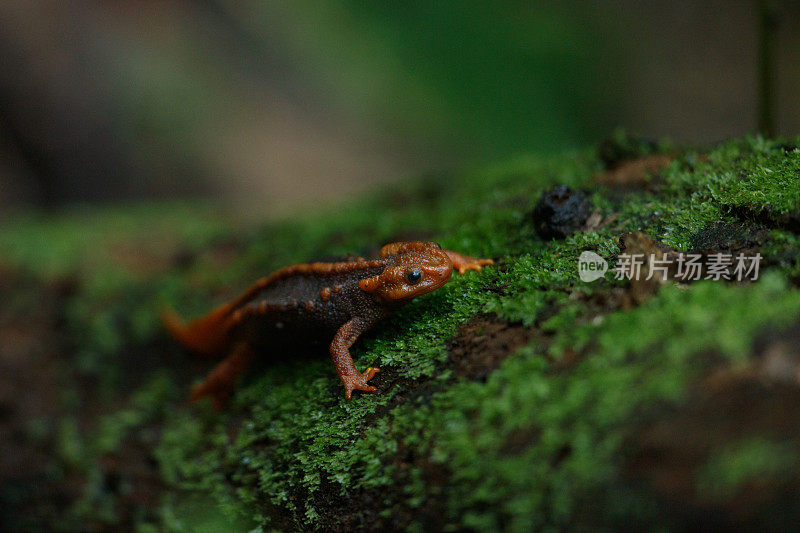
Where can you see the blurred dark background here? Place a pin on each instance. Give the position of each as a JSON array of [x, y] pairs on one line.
[[275, 106]]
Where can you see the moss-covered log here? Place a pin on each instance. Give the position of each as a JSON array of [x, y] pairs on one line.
[[517, 398]]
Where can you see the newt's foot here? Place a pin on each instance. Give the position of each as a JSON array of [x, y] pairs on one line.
[[477, 264], [462, 263], [358, 381]]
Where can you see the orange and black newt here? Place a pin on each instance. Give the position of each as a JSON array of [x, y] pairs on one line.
[[337, 301]]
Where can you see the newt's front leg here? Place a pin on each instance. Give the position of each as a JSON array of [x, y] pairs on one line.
[[462, 263], [340, 352]]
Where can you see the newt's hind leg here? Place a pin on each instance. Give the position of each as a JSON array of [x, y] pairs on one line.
[[219, 382]]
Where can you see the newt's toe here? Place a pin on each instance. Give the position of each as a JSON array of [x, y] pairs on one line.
[[370, 373]]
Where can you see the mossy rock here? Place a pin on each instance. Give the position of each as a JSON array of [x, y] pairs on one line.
[[515, 398]]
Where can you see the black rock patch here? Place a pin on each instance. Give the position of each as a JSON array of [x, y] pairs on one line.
[[560, 212]]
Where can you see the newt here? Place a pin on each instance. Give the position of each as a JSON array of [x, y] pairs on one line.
[[332, 301]]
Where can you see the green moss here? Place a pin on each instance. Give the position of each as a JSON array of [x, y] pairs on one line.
[[145, 404], [753, 460], [575, 421], [538, 444], [315, 443], [69, 445], [751, 178], [92, 240], [762, 176], [196, 513], [783, 249]]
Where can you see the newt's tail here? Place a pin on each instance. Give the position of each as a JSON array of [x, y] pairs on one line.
[[207, 335]]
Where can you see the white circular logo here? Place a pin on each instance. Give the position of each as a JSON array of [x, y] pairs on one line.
[[591, 266]]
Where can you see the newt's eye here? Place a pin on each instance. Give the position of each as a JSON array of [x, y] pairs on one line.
[[413, 276]]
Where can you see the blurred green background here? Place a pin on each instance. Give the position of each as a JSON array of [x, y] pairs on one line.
[[274, 107]]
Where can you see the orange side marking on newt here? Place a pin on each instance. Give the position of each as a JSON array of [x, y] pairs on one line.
[[323, 268], [325, 294], [304, 268], [208, 334]]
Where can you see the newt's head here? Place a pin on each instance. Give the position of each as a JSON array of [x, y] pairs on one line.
[[416, 269]]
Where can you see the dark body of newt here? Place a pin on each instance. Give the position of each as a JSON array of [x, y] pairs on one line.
[[335, 302]]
